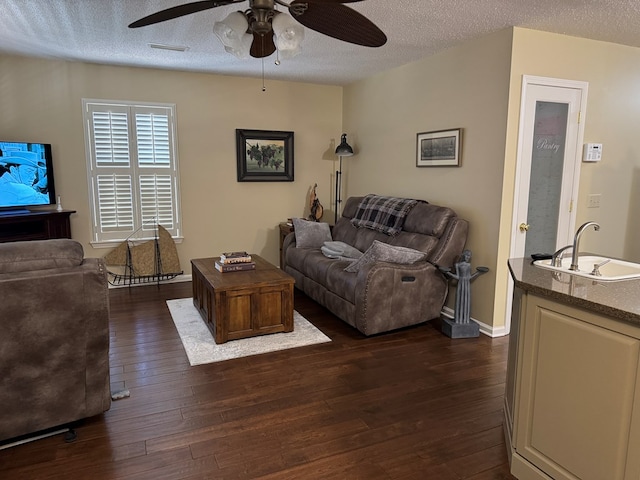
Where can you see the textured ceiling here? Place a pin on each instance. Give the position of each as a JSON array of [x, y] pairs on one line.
[[96, 31]]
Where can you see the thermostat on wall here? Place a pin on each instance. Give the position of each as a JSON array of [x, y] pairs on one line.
[[592, 152]]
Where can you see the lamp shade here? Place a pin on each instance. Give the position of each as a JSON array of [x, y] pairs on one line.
[[344, 149], [232, 32], [289, 35]]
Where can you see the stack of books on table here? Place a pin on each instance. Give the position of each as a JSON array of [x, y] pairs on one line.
[[235, 262]]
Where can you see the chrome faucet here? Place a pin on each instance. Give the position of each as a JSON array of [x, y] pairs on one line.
[[556, 258], [576, 242]]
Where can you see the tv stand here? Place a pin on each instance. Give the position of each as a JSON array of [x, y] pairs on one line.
[[18, 211], [34, 225]]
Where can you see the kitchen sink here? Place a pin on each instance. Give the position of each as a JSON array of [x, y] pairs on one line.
[[610, 269]]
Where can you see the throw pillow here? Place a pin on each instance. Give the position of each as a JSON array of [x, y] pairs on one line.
[[311, 234], [383, 252], [329, 253], [341, 249], [335, 256]]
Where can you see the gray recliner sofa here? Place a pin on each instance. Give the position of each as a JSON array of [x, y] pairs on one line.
[[54, 345], [382, 295]]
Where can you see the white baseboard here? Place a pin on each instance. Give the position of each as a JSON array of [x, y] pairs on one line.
[[446, 311], [484, 328], [522, 469]]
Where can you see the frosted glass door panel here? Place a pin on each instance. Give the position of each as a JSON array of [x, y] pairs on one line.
[[547, 163]]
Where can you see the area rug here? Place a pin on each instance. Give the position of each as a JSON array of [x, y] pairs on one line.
[[201, 348]]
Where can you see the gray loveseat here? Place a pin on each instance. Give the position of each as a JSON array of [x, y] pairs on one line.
[[54, 345], [381, 295]]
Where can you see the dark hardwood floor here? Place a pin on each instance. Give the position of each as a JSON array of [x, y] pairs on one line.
[[411, 404]]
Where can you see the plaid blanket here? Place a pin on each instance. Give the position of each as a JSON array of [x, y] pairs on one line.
[[384, 214]]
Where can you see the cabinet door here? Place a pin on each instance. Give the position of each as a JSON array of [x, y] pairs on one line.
[[577, 393], [517, 307]]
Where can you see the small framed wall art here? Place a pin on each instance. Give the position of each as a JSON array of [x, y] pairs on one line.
[[439, 149], [264, 156]]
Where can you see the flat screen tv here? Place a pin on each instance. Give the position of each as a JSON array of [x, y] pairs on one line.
[[26, 176]]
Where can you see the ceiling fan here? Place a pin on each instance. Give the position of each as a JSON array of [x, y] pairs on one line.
[[261, 29]]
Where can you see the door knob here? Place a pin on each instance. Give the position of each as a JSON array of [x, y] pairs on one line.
[[524, 227]]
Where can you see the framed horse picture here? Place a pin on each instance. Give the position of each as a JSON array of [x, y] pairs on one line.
[[264, 156]]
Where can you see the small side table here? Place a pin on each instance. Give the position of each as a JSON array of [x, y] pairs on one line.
[[285, 229]]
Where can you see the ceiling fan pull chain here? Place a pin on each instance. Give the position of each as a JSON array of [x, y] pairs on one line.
[[264, 89]]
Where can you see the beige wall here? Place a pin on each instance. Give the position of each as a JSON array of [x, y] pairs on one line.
[[465, 87], [612, 118], [475, 86], [42, 101]]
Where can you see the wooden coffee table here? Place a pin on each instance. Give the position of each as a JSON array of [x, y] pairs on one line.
[[243, 304]]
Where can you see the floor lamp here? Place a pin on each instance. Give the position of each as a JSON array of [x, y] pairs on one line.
[[343, 150]]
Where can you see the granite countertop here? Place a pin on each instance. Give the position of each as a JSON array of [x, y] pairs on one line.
[[619, 299]]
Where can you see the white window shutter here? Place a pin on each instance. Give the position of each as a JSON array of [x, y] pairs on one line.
[[111, 139], [133, 171], [115, 203], [156, 201], [152, 135]]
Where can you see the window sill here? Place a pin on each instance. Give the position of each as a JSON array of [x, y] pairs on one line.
[[115, 243]]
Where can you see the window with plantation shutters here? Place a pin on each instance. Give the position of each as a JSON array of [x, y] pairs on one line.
[[132, 169]]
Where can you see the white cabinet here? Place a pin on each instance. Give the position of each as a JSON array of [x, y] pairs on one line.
[[517, 306], [575, 392]]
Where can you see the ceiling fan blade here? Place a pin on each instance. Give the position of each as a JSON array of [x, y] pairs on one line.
[[339, 21], [179, 11], [262, 45]]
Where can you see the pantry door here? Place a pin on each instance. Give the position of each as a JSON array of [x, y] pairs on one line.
[[548, 171], [550, 138]]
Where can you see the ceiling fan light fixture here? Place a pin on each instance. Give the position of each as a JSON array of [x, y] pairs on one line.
[[232, 32], [289, 35], [262, 30]]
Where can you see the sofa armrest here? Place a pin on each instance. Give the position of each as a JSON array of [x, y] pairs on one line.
[[451, 243], [289, 241], [390, 296]]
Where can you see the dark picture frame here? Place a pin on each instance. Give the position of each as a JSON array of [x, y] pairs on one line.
[[441, 148], [264, 155]]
